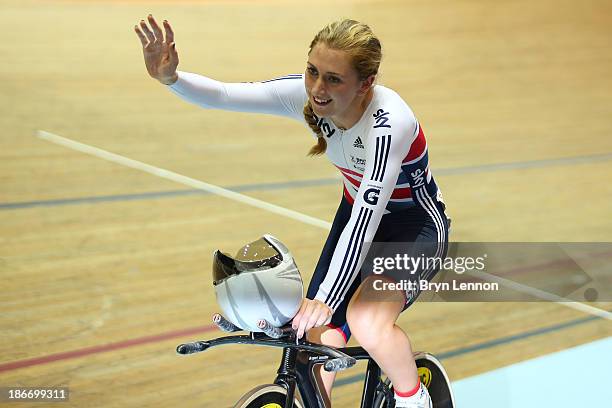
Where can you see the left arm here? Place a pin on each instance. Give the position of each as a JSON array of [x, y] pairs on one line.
[[386, 149], [385, 152]]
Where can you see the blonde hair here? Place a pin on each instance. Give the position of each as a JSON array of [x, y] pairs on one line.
[[365, 51]]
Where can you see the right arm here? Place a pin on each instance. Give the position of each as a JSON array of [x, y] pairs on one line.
[[281, 96]]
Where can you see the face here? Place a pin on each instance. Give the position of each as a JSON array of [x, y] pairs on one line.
[[332, 83]]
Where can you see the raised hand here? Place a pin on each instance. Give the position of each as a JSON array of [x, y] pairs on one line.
[[161, 58]]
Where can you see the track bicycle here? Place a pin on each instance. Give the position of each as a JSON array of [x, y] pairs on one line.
[[299, 359]]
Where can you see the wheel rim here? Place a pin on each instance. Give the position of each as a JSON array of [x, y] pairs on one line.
[[248, 400]]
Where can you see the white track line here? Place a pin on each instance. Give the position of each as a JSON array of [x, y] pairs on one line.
[[188, 181], [169, 175], [540, 294]]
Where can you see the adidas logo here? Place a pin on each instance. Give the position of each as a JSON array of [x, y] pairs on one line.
[[358, 143]]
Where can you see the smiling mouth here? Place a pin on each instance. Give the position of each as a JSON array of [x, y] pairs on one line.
[[321, 101]]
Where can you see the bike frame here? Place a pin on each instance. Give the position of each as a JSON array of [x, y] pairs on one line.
[[298, 362], [297, 368]]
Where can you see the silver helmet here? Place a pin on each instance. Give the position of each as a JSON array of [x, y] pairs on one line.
[[261, 282]]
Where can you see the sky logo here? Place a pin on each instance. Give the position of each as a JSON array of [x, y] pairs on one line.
[[381, 118]]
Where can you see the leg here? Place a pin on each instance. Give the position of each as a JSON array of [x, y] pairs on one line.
[[329, 337], [371, 316]]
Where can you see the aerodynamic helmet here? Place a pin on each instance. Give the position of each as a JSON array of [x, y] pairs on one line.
[[261, 282]]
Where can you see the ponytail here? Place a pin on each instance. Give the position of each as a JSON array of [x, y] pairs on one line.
[[313, 123]]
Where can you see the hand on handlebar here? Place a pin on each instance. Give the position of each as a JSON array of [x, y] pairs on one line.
[[161, 58], [312, 313]]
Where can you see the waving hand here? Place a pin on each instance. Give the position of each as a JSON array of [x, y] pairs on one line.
[[161, 58]]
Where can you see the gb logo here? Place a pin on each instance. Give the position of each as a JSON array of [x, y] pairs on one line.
[[371, 196]]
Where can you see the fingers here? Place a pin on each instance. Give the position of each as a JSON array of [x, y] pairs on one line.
[[155, 35], [323, 319], [298, 316], [169, 32], [173, 54], [159, 36], [312, 314], [305, 320], [147, 31], [313, 319], [323, 316], [143, 39]]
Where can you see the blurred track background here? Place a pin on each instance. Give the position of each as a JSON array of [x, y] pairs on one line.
[[104, 269]]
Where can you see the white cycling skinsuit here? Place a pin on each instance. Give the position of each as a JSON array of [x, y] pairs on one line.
[[383, 160]]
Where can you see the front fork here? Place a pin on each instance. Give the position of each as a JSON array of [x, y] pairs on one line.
[[286, 375], [384, 389], [296, 370], [374, 386]]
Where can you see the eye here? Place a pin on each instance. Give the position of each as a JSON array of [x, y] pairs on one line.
[[334, 79], [312, 71]]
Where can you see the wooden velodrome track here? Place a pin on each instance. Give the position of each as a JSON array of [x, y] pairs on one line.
[[104, 268]]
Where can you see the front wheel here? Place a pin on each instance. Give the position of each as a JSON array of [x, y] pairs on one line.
[[266, 396], [433, 375]]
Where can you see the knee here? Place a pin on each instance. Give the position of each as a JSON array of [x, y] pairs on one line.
[[368, 325]]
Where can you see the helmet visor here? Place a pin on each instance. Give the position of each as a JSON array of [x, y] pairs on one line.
[[256, 256]]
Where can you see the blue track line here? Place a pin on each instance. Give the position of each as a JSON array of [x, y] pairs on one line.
[[455, 171], [529, 164], [167, 194]]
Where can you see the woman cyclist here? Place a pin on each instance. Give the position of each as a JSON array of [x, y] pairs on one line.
[[372, 136]]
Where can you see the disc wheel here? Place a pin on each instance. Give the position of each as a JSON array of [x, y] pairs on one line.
[[266, 396]]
